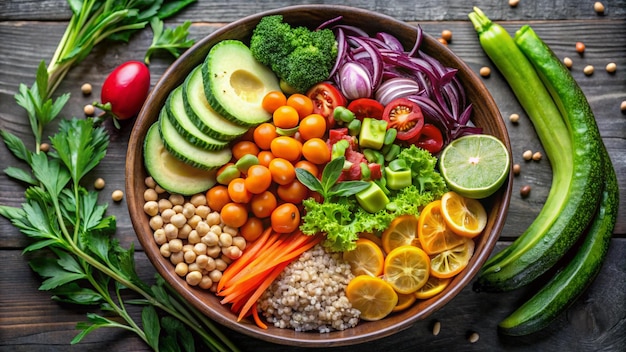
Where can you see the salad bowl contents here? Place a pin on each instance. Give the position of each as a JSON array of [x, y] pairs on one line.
[[283, 175]]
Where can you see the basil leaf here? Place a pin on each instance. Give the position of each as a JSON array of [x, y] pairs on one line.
[[310, 181], [332, 172], [348, 188]]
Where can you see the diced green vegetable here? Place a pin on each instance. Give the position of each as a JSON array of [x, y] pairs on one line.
[[372, 199], [372, 133], [398, 179]]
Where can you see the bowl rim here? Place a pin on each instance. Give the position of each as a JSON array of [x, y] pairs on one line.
[[135, 169]]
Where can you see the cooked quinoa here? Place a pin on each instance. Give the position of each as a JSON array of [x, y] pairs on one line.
[[310, 294]]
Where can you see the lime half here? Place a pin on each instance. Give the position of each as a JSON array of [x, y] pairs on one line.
[[475, 166]]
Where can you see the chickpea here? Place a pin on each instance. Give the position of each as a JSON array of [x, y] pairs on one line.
[[598, 7], [588, 70], [220, 264], [517, 169], [159, 189], [206, 282], [514, 118], [442, 41], [165, 250], [525, 191], [171, 231], [568, 62], [193, 237], [230, 230], [216, 229], [513, 3], [527, 155], [194, 221], [99, 183], [44, 147], [214, 219], [183, 232], [89, 110], [194, 278], [226, 239], [580, 47], [189, 210], [177, 208], [240, 242], [447, 35], [167, 215], [190, 256], [203, 260], [473, 337], [537, 156], [177, 199], [178, 220], [202, 211], [150, 195], [194, 267], [198, 200], [215, 275], [214, 251], [117, 195], [485, 71], [156, 222], [176, 245], [151, 208], [210, 239], [611, 67], [176, 257], [159, 236], [150, 182], [622, 106], [202, 228], [164, 204], [181, 269], [199, 248], [232, 252], [86, 89]]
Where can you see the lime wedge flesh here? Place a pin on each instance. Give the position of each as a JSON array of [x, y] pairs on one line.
[[475, 166]]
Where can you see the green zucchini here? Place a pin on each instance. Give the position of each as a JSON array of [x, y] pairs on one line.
[[501, 272], [202, 114], [175, 108], [172, 174], [235, 83], [567, 285]]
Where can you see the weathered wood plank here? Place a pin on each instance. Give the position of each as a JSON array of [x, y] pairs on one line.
[[439, 10], [30, 321]]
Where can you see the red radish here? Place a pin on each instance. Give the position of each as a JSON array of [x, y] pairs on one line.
[[126, 89]]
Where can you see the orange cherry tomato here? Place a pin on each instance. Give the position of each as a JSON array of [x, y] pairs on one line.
[[287, 148], [293, 192], [285, 117], [238, 192], [252, 229], [265, 156], [312, 126], [242, 148], [285, 218], [258, 179], [217, 196], [302, 104], [282, 171], [234, 214], [309, 166], [264, 134], [273, 100], [316, 151], [263, 204]]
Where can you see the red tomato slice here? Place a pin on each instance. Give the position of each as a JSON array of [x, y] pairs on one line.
[[405, 116], [366, 107], [430, 139], [326, 98]]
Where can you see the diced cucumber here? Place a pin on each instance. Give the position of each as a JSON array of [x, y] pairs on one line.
[[178, 117], [170, 173], [202, 114], [187, 152], [235, 83]]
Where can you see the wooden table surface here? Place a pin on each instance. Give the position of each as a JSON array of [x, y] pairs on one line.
[[31, 29]]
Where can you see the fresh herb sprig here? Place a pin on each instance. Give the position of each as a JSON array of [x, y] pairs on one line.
[[86, 266], [328, 186], [172, 40]]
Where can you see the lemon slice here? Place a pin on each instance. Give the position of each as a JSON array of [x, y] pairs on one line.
[[407, 269], [433, 232], [475, 166], [366, 259], [401, 232], [404, 302], [452, 261], [372, 296], [433, 286], [465, 216]]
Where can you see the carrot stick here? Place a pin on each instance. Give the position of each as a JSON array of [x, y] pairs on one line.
[[247, 256], [257, 319], [274, 241], [259, 291]]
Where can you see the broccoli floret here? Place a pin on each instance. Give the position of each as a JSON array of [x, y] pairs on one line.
[[299, 57]]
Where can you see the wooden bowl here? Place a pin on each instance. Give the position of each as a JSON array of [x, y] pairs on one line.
[[486, 115]]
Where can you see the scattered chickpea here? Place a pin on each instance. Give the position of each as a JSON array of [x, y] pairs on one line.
[[99, 183], [436, 328], [44, 147], [517, 169], [149, 182], [588, 70], [89, 110], [580, 47], [622, 107], [514, 118], [86, 89], [527, 155], [537, 156], [181, 269], [151, 208], [525, 191], [442, 41], [568, 62], [150, 195], [598, 7], [611, 67], [156, 222], [473, 337], [485, 71], [117, 195], [513, 3], [194, 278], [447, 35]]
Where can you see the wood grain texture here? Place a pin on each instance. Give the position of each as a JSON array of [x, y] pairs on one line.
[[30, 30]]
